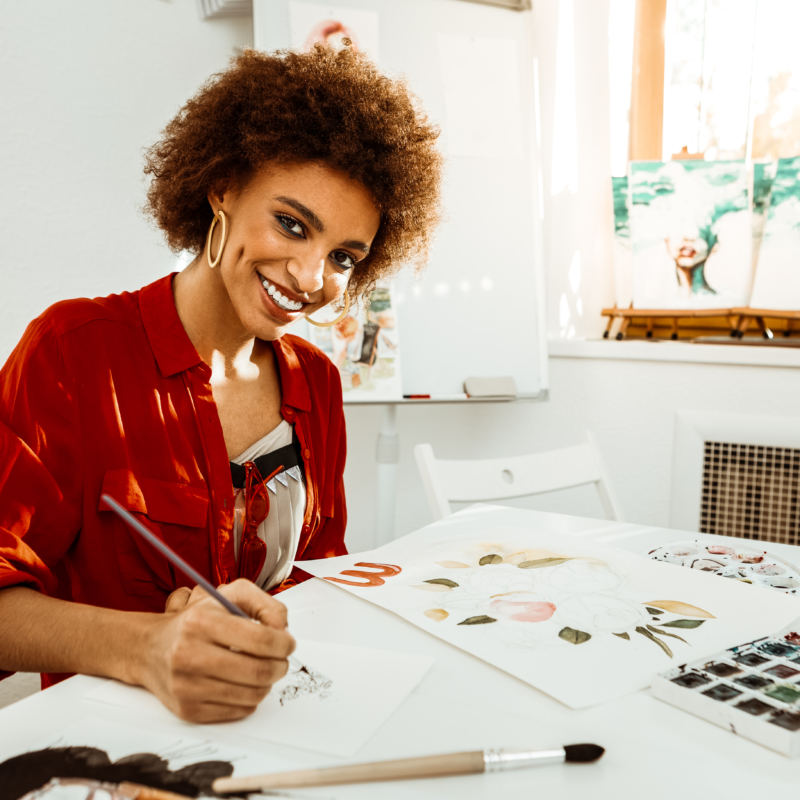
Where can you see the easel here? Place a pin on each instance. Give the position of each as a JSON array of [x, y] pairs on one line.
[[736, 321]]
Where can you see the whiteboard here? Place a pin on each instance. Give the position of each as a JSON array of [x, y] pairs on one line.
[[478, 310]]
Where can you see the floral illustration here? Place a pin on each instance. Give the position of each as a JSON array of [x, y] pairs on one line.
[[536, 598]]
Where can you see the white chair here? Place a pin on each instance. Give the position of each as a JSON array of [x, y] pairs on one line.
[[517, 476]]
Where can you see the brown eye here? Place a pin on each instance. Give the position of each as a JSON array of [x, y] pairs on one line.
[[344, 260]]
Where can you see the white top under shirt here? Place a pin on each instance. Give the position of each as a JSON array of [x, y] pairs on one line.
[[287, 507]]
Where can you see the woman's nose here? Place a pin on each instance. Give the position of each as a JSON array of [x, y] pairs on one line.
[[308, 273]]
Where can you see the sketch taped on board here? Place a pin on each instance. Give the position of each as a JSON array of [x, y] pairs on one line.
[[365, 347], [691, 235]]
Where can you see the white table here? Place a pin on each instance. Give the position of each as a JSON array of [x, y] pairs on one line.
[[652, 749]]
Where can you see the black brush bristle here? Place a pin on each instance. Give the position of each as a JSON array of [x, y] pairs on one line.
[[583, 753]]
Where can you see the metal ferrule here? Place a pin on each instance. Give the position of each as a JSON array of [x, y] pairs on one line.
[[499, 760]]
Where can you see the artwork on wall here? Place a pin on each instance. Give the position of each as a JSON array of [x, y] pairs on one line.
[[777, 279], [554, 611], [763, 177], [331, 702], [622, 242], [311, 23], [365, 347], [690, 234]]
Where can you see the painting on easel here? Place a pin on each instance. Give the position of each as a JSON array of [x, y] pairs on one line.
[[690, 234], [777, 282]]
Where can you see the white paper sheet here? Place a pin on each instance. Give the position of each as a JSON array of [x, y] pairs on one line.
[[591, 624], [311, 23], [482, 101], [356, 690]]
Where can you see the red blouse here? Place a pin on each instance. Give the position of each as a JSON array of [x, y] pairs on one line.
[[109, 395]]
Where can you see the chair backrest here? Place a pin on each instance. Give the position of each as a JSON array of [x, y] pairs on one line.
[[517, 476]]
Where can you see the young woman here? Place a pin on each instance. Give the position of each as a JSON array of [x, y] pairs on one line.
[[298, 180]]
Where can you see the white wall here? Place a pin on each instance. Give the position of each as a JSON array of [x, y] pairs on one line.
[[87, 84]]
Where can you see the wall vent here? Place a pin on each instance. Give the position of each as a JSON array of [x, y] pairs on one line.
[[751, 492]]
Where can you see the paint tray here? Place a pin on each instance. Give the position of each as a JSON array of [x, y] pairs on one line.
[[752, 689]]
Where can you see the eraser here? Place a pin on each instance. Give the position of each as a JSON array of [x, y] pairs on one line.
[[503, 386]]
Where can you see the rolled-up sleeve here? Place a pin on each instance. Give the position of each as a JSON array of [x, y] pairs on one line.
[[40, 461]]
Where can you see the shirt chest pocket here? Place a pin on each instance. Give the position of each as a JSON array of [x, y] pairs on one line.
[[175, 510]]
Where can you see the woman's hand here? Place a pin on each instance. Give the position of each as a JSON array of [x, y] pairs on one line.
[[207, 665]]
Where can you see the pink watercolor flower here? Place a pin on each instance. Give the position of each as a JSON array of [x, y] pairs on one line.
[[523, 611]]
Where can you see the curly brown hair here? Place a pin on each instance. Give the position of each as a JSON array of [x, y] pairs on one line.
[[324, 105]]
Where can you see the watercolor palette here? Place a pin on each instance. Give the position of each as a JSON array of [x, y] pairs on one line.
[[752, 689], [745, 564]]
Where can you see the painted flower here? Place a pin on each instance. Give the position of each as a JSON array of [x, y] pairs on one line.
[[521, 608], [500, 579], [596, 613], [583, 576]]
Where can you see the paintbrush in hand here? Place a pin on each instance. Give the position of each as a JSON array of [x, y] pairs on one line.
[[178, 562], [406, 768]]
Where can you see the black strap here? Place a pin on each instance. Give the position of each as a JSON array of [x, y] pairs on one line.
[[287, 457]]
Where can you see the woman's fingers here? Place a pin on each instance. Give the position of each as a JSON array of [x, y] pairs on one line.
[[256, 603], [177, 600]]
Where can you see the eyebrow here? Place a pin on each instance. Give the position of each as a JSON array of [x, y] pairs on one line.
[[316, 222]]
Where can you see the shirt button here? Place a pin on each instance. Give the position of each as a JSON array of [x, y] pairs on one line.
[[306, 453], [288, 412]]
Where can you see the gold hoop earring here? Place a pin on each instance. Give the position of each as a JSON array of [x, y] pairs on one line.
[[338, 319], [221, 216]]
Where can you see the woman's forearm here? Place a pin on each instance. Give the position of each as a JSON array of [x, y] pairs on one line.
[[43, 634]]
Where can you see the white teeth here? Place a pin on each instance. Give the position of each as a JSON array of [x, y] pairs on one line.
[[283, 302]]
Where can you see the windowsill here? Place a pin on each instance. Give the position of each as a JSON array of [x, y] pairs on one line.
[[688, 352]]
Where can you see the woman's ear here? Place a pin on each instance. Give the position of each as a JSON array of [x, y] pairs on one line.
[[216, 197]]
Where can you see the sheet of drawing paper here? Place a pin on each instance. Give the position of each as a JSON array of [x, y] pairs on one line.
[[96, 743], [311, 23], [583, 622], [691, 234], [482, 100], [333, 706], [777, 281]]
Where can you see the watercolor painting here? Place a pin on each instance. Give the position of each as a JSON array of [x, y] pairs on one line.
[[690, 234], [92, 756], [311, 23], [763, 178], [777, 279], [622, 242], [553, 609], [332, 708], [739, 562], [365, 347]]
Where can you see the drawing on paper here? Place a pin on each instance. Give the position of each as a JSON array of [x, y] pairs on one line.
[[533, 596], [305, 682], [690, 234], [48, 772]]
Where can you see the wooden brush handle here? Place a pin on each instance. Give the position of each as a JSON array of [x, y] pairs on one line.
[[402, 769], [140, 792]]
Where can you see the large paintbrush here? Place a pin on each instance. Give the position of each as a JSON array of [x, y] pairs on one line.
[[440, 766]]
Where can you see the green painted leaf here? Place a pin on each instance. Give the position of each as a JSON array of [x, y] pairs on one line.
[[543, 562], [481, 620], [492, 558], [662, 645], [443, 582], [654, 610], [666, 633], [682, 623], [574, 637], [623, 636]]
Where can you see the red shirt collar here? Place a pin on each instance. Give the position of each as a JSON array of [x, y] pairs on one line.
[[174, 351]]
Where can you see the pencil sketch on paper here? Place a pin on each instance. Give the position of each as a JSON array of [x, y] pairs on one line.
[[533, 597], [305, 681]]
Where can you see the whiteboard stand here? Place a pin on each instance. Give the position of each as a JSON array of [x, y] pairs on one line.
[[387, 454]]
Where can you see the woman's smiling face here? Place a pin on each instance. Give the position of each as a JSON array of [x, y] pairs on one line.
[[295, 234]]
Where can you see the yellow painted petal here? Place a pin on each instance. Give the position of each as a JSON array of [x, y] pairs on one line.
[[436, 614], [452, 565], [432, 587], [676, 607]]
